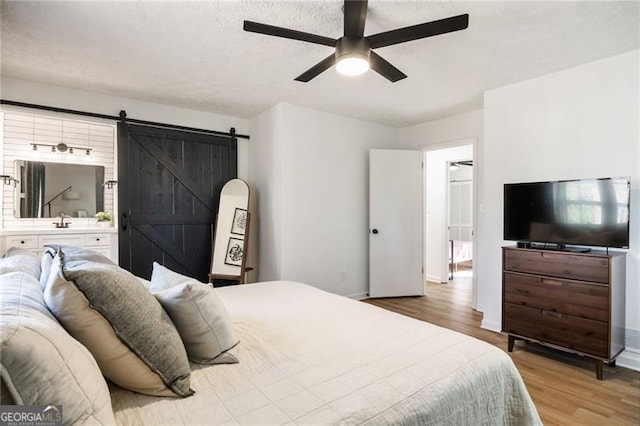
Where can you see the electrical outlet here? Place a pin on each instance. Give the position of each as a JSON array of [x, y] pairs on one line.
[[343, 276]]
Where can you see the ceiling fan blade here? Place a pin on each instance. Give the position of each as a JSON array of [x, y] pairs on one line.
[[315, 70], [256, 27], [384, 68], [415, 32], [355, 15]]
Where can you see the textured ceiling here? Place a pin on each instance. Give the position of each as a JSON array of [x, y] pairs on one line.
[[196, 55]]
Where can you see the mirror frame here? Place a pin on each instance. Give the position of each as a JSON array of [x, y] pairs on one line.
[[231, 232], [20, 190]]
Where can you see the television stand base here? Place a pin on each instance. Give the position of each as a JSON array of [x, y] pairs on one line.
[[553, 247]]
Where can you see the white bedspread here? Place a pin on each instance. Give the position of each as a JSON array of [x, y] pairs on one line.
[[311, 357]]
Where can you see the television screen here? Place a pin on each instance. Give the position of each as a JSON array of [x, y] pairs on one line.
[[586, 212]]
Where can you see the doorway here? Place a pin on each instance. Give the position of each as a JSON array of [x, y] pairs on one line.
[[460, 219], [438, 233]]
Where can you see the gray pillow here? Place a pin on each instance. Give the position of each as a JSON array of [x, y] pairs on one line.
[[41, 364], [78, 253], [20, 260], [198, 314], [109, 311], [50, 251]]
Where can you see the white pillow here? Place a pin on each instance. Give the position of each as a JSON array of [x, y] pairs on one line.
[[20, 260], [198, 314], [41, 363], [45, 266], [110, 312]]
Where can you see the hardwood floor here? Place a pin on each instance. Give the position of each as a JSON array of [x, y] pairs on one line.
[[563, 386]]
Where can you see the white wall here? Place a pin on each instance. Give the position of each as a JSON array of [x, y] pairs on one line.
[[265, 161], [449, 129], [577, 123], [314, 167], [13, 89]]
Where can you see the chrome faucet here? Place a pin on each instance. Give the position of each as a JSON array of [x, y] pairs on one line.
[[62, 223]]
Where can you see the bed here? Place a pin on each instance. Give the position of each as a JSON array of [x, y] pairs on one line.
[[311, 357], [282, 353]]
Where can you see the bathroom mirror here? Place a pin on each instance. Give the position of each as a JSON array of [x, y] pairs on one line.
[[49, 189], [231, 233]]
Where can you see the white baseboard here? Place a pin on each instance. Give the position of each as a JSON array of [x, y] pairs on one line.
[[491, 325], [435, 279], [358, 296], [629, 358]]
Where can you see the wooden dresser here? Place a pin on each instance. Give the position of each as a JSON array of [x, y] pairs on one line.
[[570, 301]]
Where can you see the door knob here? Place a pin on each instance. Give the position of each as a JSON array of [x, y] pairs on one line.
[[374, 231]]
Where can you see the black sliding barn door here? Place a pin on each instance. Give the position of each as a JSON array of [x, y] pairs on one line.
[[169, 184]]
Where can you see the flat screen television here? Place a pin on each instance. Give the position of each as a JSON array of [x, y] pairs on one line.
[[581, 212]]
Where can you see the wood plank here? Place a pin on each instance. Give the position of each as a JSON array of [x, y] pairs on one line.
[[562, 385], [161, 157], [168, 248]]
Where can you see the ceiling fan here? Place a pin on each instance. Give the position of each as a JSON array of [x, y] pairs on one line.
[[354, 53]]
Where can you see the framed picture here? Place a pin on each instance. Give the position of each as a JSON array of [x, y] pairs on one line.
[[239, 223], [235, 252]]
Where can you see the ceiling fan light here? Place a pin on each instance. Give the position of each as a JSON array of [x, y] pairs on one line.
[[352, 65]]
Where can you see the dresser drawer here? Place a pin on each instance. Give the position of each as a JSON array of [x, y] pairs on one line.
[[62, 240], [22, 241], [579, 299], [563, 265], [105, 251], [93, 240], [579, 334]]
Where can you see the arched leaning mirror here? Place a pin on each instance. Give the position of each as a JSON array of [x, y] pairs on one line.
[[231, 235]]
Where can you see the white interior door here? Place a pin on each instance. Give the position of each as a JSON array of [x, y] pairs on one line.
[[395, 223]]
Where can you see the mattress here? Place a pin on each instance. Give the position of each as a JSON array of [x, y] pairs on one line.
[[311, 357]]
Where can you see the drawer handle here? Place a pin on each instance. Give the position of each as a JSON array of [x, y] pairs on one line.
[[21, 241], [97, 239], [551, 282]]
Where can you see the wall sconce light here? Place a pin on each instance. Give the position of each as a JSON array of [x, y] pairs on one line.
[[61, 147], [8, 179], [71, 195], [110, 184]]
